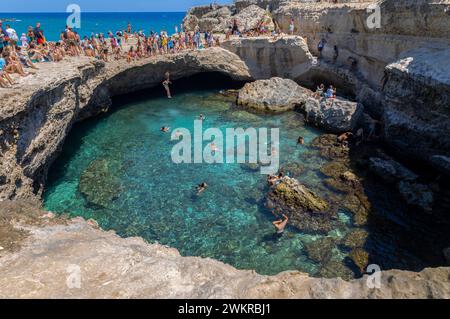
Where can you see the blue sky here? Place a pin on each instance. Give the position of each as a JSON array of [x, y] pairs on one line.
[[100, 5]]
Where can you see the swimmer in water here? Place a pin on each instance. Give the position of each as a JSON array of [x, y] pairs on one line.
[[201, 188], [301, 141], [165, 129], [177, 134], [280, 225], [202, 117]]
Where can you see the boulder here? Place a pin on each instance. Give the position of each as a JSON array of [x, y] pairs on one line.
[[305, 209], [330, 148], [334, 115], [273, 95]]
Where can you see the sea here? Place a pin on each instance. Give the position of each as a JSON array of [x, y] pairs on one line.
[[94, 22]]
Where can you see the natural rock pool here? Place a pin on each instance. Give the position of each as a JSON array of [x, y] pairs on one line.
[[117, 169]]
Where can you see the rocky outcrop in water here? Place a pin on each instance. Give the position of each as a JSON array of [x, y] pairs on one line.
[[336, 115], [274, 95], [287, 57], [50, 249], [413, 192]]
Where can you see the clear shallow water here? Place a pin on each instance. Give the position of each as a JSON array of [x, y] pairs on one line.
[[53, 23], [117, 169]]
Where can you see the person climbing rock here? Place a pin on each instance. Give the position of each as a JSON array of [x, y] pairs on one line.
[[166, 83]]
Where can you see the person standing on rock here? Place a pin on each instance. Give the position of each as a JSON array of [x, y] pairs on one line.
[[166, 83], [280, 225]]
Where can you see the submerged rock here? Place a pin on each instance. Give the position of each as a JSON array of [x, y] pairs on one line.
[[334, 115], [250, 17], [99, 184], [320, 250], [390, 170], [329, 147], [335, 269], [250, 167], [273, 95], [306, 210], [358, 204]]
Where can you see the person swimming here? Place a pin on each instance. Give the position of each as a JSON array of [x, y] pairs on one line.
[[280, 225], [301, 141], [202, 117], [201, 188], [165, 129]]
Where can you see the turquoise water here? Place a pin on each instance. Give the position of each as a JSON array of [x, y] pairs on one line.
[[54, 23], [138, 191]]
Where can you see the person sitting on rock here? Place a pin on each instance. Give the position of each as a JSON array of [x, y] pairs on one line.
[[280, 225]]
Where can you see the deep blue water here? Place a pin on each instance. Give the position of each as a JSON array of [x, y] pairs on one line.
[[54, 23]]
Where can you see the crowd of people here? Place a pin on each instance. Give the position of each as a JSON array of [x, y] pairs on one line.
[[20, 54]]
